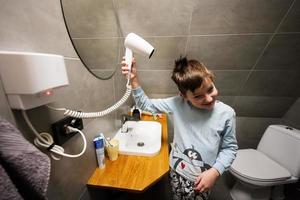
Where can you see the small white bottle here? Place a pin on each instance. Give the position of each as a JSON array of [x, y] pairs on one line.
[[99, 146]]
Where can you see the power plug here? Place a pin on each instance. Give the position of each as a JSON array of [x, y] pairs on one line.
[[61, 132]]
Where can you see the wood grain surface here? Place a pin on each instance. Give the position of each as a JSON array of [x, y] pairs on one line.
[[134, 173]]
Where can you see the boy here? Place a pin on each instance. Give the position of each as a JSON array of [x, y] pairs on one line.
[[204, 144]]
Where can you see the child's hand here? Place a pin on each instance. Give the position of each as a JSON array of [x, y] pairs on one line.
[[133, 74], [125, 69], [206, 180]]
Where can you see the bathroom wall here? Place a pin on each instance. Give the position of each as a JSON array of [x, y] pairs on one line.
[[291, 117], [251, 46], [38, 26]]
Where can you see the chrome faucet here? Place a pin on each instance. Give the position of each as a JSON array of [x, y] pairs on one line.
[[127, 123], [124, 127]]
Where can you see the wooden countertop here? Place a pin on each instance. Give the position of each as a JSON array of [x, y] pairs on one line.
[[134, 173]]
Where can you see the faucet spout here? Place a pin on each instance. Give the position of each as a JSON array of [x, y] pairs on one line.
[[127, 123], [128, 126]]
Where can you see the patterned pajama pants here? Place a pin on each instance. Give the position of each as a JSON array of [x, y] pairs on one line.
[[183, 189]]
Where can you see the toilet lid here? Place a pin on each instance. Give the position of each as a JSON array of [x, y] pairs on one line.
[[254, 165]]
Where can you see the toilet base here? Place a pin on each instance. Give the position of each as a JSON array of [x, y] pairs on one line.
[[277, 192], [242, 192]]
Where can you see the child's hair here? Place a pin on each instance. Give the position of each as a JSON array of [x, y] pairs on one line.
[[189, 74]]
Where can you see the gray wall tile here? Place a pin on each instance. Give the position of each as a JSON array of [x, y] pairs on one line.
[[259, 106], [154, 82], [85, 92], [99, 53], [227, 51], [84, 21], [167, 50], [273, 83], [229, 100], [282, 53], [249, 130], [120, 85], [157, 82], [252, 127], [292, 116], [152, 18], [292, 22], [73, 93], [234, 16], [229, 82]]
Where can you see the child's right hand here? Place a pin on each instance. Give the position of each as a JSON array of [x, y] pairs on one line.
[[133, 74], [206, 180]]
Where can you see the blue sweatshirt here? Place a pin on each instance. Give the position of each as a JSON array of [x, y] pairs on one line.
[[202, 138]]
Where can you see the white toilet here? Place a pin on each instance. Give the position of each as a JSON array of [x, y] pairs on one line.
[[262, 172]]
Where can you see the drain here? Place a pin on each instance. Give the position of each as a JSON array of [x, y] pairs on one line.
[[140, 144]]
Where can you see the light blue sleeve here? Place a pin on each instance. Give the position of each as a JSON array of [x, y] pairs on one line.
[[151, 105], [228, 148]]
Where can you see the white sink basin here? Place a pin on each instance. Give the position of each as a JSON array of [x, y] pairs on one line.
[[143, 138]]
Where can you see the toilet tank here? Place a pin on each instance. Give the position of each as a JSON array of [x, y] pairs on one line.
[[282, 144]]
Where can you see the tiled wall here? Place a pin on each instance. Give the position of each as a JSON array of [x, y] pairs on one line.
[[253, 47], [291, 117]]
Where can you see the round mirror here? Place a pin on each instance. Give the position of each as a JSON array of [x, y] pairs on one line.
[[94, 32]]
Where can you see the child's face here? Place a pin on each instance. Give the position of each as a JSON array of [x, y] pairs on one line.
[[203, 97]]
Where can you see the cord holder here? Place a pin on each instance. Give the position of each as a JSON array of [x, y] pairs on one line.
[[51, 146]]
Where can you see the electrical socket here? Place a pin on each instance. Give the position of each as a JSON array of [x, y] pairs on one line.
[[60, 132]]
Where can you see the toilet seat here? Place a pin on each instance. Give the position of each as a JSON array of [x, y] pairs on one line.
[[256, 167]]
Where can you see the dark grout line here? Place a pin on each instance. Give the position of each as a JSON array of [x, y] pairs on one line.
[[188, 35]]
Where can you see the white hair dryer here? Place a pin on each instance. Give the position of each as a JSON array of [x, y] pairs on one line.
[[134, 43]]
